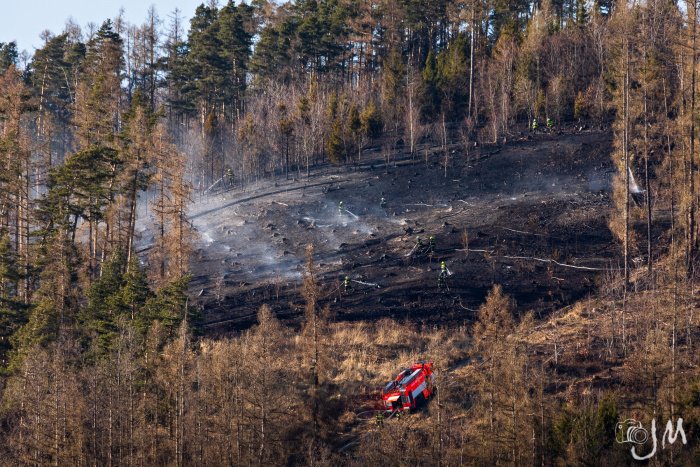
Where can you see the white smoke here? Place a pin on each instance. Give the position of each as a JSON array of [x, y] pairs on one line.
[[634, 188]]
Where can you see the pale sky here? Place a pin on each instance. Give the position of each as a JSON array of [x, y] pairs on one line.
[[23, 20]]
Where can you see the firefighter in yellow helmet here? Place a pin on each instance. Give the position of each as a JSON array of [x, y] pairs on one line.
[[420, 248], [346, 284], [442, 277]]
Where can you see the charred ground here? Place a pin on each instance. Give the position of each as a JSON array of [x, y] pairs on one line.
[[530, 215]]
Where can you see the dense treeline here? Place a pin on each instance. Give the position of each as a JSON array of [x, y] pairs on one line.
[[274, 396], [115, 125], [263, 88]]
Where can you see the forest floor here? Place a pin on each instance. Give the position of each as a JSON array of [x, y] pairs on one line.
[[529, 215]]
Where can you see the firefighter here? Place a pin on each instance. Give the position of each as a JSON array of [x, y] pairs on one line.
[[432, 243], [341, 208], [229, 177], [550, 123], [442, 283], [380, 418], [534, 124], [346, 284], [382, 203], [420, 247]]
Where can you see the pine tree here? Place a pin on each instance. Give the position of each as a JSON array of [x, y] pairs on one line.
[[55, 302], [8, 55], [47, 75], [286, 129], [236, 42], [371, 121], [355, 127], [393, 87], [452, 78], [207, 67], [271, 59], [17, 164], [335, 142], [97, 118], [98, 320], [429, 94], [99, 96], [136, 157], [135, 292], [169, 304], [335, 145], [581, 13], [175, 65], [80, 189], [12, 312]]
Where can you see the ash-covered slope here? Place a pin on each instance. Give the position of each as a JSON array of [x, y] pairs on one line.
[[530, 215]]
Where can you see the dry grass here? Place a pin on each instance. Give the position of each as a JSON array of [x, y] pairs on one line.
[[371, 354]]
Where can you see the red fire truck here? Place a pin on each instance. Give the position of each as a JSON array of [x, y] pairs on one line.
[[411, 388]]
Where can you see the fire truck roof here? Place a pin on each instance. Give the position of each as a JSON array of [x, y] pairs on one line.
[[409, 378]]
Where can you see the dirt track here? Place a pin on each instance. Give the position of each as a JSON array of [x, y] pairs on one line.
[[534, 213]]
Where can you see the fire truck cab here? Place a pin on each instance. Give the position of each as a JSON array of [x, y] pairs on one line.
[[410, 389]]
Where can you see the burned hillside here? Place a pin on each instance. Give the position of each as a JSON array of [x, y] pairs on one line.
[[529, 215]]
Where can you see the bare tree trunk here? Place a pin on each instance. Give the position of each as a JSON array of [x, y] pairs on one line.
[[108, 221], [57, 404], [673, 255], [439, 428], [626, 155], [263, 423], [691, 171], [444, 142], [492, 404], [23, 226], [110, 434], [471, 60], [625, 151], [132, 219], [409, 89], [515, 414], [286, 157], [650, 258]]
